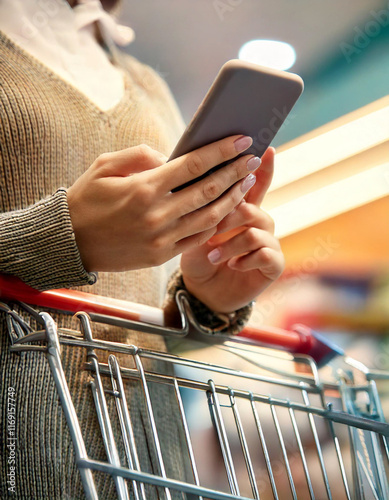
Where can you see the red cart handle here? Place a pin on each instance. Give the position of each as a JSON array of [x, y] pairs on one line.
[[299, 340], [73, 301]]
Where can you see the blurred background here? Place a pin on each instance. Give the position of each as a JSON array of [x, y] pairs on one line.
[[330, 194], [188, 41]]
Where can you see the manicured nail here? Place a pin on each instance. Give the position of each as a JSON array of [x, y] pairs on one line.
[[214, 256], [253, 163], [248, 183], [243, 143]]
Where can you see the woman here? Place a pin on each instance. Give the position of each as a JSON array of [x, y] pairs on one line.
[[85, 131]]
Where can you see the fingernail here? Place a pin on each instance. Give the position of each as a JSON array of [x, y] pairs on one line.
[[214, 256], [248, 183], [243, 143], [253, 163]]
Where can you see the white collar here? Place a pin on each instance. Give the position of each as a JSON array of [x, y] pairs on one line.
[[89, 11], [63, 39]]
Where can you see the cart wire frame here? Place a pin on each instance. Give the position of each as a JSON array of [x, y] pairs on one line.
[[367, 429]]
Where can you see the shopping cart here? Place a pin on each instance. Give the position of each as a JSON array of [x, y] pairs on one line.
[[273, 426]]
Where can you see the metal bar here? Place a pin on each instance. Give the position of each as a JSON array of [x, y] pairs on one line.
[[337, 416], [54, 359], [102, 411], [312, 384], [264, 449], [339, 456], [376, 397], [380, 467], [150, 413], [125, 423], [366, 443], [367, 473], [368, 460], [302, 454], [248, 355], [108, 437], [159, 481], [284, 453], [357, 479], [187, 435], [244, 446], [140, 326], [386, 446], [124, 348], [318, 447], [214, 406], [225, 371]]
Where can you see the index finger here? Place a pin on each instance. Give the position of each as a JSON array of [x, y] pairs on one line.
[[195, 164], [264, 175]]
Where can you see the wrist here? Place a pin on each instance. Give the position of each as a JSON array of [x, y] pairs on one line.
[[214, 322]]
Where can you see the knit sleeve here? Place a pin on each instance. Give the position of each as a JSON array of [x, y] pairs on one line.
[[37, 245]]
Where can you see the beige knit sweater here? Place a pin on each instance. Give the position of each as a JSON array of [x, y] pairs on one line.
[[50, 134]]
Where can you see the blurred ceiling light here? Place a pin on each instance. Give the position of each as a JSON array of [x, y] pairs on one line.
[[270, 53], [331, 147], [332, 200], [331, 170]]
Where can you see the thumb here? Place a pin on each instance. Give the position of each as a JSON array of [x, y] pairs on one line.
[[129, 161]]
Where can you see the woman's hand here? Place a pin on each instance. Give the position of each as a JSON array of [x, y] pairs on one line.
[[125, 216], [237, 264]]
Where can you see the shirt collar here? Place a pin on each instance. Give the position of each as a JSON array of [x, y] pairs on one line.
[[27, 19], [89, 11]]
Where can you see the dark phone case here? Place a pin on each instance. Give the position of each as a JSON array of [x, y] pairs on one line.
[[244, 99]]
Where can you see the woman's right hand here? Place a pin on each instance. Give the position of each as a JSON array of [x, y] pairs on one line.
[[125, 215]]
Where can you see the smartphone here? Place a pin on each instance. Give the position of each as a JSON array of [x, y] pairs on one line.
[[247, 99]]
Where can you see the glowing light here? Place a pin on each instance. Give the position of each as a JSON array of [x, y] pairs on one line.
[[331, 147], [331, 200], [327, 172], [270, 53]]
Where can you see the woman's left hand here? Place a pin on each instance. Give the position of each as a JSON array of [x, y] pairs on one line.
[[244, 258]]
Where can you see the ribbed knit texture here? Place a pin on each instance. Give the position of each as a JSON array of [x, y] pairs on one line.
[[49, 135], [23, 249]]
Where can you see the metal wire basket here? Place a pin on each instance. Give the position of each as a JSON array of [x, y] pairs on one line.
[[272, 427]]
